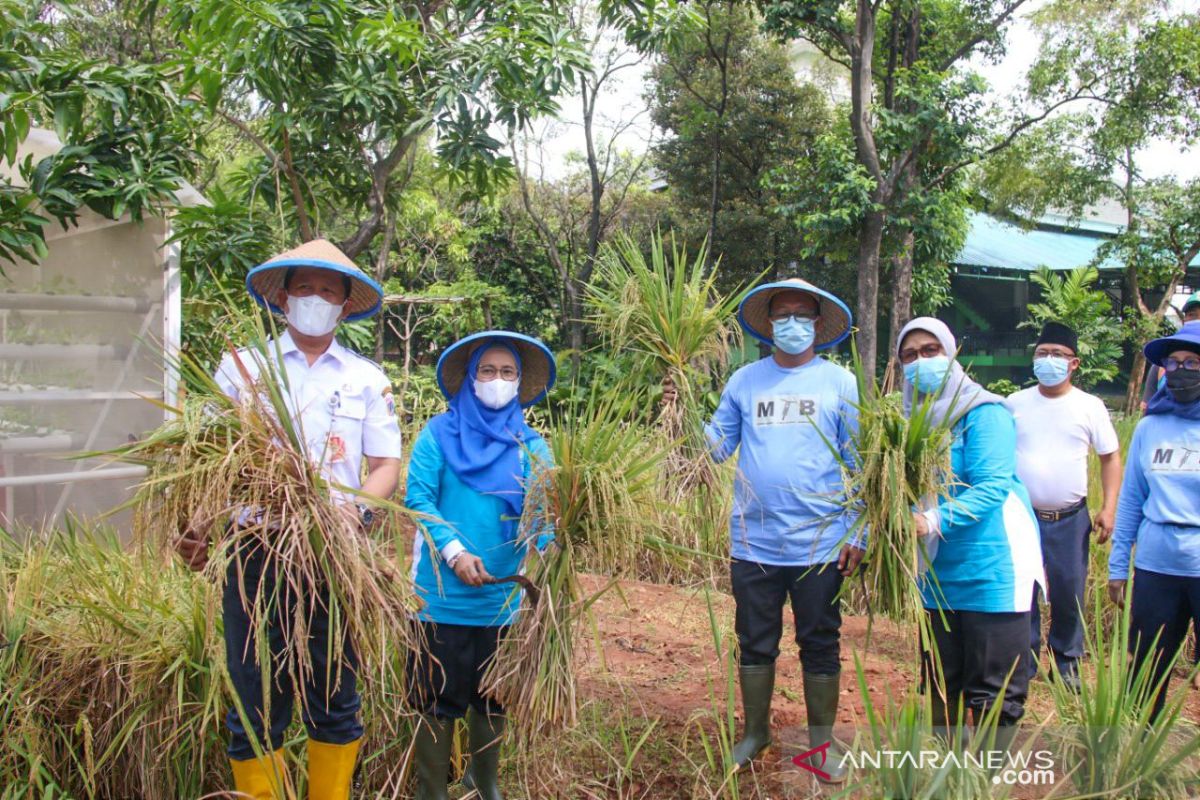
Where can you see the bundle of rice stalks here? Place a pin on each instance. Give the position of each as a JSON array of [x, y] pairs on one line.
[[598, 497], [669, 313], [242, 471], [106, 682], [903, 463]]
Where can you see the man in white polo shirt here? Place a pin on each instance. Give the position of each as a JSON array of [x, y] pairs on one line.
[[1056, 426]]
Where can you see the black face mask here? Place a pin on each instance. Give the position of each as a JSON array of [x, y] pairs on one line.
[[1184, 385]]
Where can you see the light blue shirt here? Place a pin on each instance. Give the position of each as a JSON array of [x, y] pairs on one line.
[[987, 552], [1159, 509], [459, 518], [789, 496]]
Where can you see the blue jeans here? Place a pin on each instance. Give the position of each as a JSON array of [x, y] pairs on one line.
[[1065, 556], [331, 702]]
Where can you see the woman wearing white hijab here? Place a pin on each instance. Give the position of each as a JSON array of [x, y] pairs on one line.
[[982, 539]]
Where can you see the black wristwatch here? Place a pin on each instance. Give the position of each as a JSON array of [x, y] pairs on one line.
[[366, 514]]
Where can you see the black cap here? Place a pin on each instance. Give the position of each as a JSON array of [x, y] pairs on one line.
[[1057, 333]]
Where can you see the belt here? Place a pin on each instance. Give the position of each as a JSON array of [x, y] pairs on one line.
[[1062, 513]]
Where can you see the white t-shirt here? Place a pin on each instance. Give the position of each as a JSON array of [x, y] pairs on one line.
[[1053, 437]]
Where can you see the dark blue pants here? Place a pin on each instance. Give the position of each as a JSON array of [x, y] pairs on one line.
[[1163, 606], [1065, 556], [978, 652], [760, 592], [331, 702]]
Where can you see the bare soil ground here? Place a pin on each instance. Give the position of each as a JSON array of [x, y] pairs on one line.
[[653, 658]]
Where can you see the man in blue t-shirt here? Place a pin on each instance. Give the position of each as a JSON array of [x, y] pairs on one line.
[[790, 418]]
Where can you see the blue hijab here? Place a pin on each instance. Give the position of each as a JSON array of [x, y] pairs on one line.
[[1164, 402], [483, 445]]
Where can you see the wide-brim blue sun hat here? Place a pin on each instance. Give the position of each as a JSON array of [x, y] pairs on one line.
[[1186, 338], [538, 370], [265, 280], [754, 312]]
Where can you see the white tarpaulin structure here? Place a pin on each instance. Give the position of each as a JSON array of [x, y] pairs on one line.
[[84, 339]]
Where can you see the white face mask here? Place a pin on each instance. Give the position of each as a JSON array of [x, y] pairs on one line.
[[496, 393], [312, 315]]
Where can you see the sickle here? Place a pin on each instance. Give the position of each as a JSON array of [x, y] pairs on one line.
[[535, 594]]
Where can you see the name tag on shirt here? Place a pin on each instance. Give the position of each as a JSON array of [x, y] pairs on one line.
[[1168, 457], [784, 409]]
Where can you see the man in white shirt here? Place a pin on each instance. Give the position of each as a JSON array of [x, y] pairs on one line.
[[1056, 426]]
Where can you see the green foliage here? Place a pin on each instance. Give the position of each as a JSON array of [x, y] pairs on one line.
[[1069, 298], [728, 99], [112, 161]]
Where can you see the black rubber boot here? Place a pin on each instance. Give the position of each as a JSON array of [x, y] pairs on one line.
[[758, 684], [431, 749], [821, 700], [483, 771]]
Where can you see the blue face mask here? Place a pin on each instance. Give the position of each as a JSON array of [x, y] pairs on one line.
[[1051, 370], [794, 336], [927, 374]]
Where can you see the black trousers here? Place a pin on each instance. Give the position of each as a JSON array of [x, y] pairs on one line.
[[444, 680], [331, 701], [978, 652], [1065, 555], [760, 592], [1162, 606]]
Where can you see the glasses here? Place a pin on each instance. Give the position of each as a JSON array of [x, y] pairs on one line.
[[1039, 353], [910, 354], [799, 317], [1172, 364], [490, 373]]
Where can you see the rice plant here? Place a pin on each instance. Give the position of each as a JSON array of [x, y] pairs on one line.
[[1110, 744], [902, 462], [669, 313], [242, 471]]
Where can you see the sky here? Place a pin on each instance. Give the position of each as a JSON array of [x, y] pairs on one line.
[[624, 99]]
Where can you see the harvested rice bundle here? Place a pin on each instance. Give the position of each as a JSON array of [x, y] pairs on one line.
[[903, 464], [242, 468], [669, 313]]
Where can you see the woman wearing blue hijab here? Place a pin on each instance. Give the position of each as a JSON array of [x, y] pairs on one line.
[[467, 478]]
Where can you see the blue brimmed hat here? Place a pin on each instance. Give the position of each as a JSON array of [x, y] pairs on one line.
[[538, 370], [754, 312], [265, 280], [1186, 338]]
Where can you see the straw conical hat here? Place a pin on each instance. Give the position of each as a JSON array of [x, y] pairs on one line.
[[537, 363], [832, 327], [265, 280]]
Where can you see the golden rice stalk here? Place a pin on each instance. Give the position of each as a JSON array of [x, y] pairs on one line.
[[240, 470]]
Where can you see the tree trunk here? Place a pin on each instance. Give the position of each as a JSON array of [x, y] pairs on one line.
[[902, 280], [869, 238]]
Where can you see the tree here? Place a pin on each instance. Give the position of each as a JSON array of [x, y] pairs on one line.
[[928, 123], [1070, 298], [732, 111], [1138, 66], [111, 162]]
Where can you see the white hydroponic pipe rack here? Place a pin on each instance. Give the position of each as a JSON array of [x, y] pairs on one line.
[[105, 474]]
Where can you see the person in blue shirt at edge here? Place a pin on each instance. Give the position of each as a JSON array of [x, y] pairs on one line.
[[790, 527], [982, 542], [1159, 510], [467, 476]]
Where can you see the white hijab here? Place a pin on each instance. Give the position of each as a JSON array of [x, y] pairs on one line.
[[959, 394]]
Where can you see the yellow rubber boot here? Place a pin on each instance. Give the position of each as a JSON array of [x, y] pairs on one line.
[[330, 769], [260, 778]]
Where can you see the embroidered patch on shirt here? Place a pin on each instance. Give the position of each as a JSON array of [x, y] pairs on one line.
[[335, 449], [388, 399], [784, 409]]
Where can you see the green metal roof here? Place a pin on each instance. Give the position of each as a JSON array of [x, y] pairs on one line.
[[995, 244]]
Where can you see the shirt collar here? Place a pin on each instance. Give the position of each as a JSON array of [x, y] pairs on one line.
[[288, 345]]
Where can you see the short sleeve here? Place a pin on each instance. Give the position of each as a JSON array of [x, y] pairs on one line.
[[381, 429], [1104, 435]]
